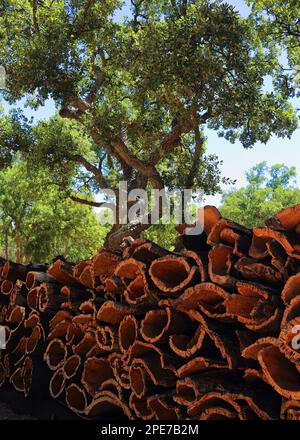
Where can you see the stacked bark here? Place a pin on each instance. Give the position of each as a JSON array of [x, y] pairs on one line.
[[208, 333]]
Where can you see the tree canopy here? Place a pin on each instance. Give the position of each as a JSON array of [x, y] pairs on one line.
[[37, 222], [278, 24], [269, 189], [141, 90]]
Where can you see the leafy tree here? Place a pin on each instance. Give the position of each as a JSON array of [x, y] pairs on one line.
[[278, 24], [37, 222], [143, 89], [269, 190]]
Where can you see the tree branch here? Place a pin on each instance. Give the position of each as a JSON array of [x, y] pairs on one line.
[[92, 168], [171, 141], [199, 141], [85, 201], [146, 169]]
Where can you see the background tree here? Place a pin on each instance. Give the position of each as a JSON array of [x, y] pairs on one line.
[[143, 89], [37, 222], [269, 190], [278, 24]]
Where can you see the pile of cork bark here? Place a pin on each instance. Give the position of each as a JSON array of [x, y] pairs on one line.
[[212, 332]]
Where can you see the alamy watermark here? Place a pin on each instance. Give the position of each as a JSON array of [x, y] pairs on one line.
[[2, 78], [152, 207], [2, 338], [296, 339], [296, 79]]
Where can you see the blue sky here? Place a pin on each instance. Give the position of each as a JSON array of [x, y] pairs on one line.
[[236, 160]]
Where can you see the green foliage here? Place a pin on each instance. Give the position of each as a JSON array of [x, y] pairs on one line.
[[277, 22], [164, 235], [172, 63], [37, 222], [138, 92], [269, 190]]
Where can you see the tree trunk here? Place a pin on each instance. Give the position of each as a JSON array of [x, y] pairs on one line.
[[18, 249], [118, 233], [6, 248]]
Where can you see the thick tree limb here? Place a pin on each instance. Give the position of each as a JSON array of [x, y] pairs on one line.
[[86, 202], [199, 141], [146, 169], [171, 141]]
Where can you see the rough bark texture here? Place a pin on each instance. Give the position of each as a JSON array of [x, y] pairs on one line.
[[210, 333]]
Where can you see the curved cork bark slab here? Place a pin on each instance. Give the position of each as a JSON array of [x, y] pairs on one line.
[[62, 315], [159, 324], [140, 407], [138, 292], [207, 297], [33, 298], [63, 273], [130, 244], [286, 220], [211, 216], [291, 312], [224, 339], [105, 263], [113, 386], [219, 262], [79, 267], [256, 313], [291, 288], [259, 401], [133, 276], [190, 389], [251, 288], [7, 287], [95, 372], [140, 381], [198, 364], [280, 372], [109, 405], [57, 383], [15, 271], [107, 338], [290, 410], [34, 279], [269, 326], [114, 287], [127, 333], [49, 298], [172, 274], [252, 350], [120, 368], [60, 330], [160, 367], [288, 241], [33, 340], [230, 233], [113, 313], [200, 261], [55, 354], [71, 366], [15, 318], [16, 379], [86, 344], [87, 277], [257, 271], [146, 251], [76, 399], [185, 345], [163, 408]]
